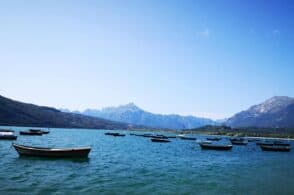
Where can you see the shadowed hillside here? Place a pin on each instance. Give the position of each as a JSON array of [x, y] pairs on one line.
[[16, 113]]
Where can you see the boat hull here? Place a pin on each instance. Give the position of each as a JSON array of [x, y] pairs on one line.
[[8, 137], [275, 148], [240, 143], [213, 138], [38, 131], [52, 153], [30, 133], [160, 140], [115, 134], [188, 138], [206, 146]]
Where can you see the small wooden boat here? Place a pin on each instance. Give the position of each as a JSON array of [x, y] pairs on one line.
[[115, 134], [160, 140], [30, 133], [188, 138], [39, 130], [159, 137], [52, 152], [6, 130], [7, 137], [238, 141], [180, 135], [275, 148], [211, 146], [148, 135], [213, 138]]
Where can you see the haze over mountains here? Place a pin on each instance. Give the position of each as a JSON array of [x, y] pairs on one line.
[[130, 113]]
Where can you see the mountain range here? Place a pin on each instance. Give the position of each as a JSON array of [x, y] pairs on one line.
[[130, 113], [275, 112], [14, 113]]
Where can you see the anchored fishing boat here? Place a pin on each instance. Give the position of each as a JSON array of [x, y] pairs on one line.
[[30, 133], [159, 137], [7, 135], [39, 131], [52, 152], [275, 148], [160, 140], [115, 134], [148, 135], [188, 138], [212, 146], [180, 135], [239, 141]]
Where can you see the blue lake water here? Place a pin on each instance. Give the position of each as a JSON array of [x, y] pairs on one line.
[[135, 165]]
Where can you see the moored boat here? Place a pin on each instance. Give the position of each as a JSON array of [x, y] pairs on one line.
[[39, 131], [160, 140], [180, 135], [115, 134], [7, 135], [148, 135], [30, 133], [275, 148], [159, 137], [188, 138], [212, 146], [239, 141], [6, 130], [52, 152]]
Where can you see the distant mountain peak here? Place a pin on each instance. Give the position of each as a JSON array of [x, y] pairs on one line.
[[131, 106], [277, 111], [273, 104], [131, 113]]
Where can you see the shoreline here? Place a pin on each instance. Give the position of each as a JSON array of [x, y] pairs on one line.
[[199, 132]]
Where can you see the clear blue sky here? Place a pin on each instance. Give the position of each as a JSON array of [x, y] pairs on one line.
[[206, 58]]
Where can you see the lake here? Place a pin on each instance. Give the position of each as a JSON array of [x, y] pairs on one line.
[[135, 165]]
